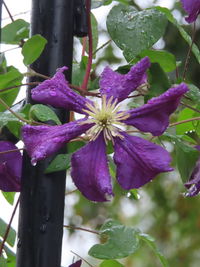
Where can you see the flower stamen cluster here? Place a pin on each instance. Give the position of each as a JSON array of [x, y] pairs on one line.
[[106, 119]]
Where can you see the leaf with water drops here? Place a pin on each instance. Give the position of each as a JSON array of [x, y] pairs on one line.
[[12, 234], [134, 31], [119, 241], [111, 263], [43, 113], [60, 163]]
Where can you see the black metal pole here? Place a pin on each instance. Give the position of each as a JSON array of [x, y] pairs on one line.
[[42, 196]]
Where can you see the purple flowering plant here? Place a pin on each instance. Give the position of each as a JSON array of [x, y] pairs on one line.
[[135, 122], [137, 160]]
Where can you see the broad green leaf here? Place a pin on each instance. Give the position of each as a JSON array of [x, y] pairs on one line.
[[98, 3], [11, 236], [33, 48], [11, 261], [3, 262], [11, 78], [60, 163], [194, 94], [166, 60], [95, 34], [121, 241], [111, 263], [134, 31], [158, 80], [73, 146], [9, 196], [185, 114], [186, 157], [6, 117], [151, 242], [14, 32], [183, 33], [43, 113]]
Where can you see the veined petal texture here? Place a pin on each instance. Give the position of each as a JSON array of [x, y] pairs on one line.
[[139, 161], [43, 141], [57, 93], [153, 117], [121, 85], [90, 171]]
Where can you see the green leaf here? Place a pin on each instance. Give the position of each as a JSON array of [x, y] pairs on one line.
[[151, 242], [3, 262], [12, 234], [121, 241], [185, 114], [43, 113], [134, 31], [6, 117], [183, 33], [60, 163], [110, 263], [14, 32], [166, 60], [73, 146], [33, 48], [194, 94], [9, 196], [11, 78], [186, 158]]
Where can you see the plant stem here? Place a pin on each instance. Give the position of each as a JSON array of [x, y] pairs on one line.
[[89, 64], [188, 106], [8, 227], [102, 46], [19, 85], [189, 53], [82, 229], [7, 9], [15, 114], [10, 151], [184, 121]]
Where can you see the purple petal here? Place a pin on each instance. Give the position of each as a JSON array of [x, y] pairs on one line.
[[57, 93], [192, 7], [90, 171], [120, 86], [153, 117], [139, 161], [193, 185], [10, 168], [76, 264], [43, 141]]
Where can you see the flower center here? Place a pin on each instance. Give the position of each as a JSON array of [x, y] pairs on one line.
[[106, 119]]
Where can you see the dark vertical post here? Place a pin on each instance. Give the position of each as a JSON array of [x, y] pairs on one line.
[[42, 196]]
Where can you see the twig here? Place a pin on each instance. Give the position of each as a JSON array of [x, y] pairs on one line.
[[184, 121], [194, 109], [82, 229], [82, 258], [10, 151], [89, 64], [10, 49], [189, 53], [101, 47], [7, 9], [19, 85], [8, 227]]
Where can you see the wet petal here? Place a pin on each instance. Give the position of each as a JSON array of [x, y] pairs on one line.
[[193, 185], [42, 141], [139, 161], [121, 85], [76, 264], [10, 168], [57, 93], [192, 8], [90, 171], [153, 117]]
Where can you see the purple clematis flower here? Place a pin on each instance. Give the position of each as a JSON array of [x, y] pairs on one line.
[[10, 168], [138, 161], [192, 7], [76, 264], [193, 185]]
